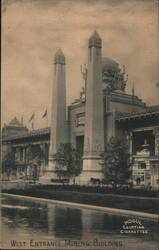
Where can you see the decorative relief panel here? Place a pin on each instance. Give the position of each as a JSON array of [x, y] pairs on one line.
[[87, 145], [80, 119], [97, 149]]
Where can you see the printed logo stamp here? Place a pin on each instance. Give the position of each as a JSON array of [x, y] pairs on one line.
[[133, 226]]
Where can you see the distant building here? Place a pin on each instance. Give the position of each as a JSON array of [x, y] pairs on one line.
[[14, 127], [103, 110]]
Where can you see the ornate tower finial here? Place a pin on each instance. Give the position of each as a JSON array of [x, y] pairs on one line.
[[95, 40], [22, 120], [84, 71], [123, 69], [59, 57]]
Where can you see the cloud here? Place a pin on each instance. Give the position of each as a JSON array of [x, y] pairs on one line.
[[34, 29]]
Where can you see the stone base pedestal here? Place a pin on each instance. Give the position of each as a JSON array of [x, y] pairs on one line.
[[49, 173], [92, 168]]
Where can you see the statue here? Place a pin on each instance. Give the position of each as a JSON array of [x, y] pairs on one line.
[[145, 149], [84, 72]]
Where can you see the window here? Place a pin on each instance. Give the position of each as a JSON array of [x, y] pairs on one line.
[[142, 165]]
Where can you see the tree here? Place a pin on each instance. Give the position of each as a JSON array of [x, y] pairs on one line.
[[8, 163], [34, 162], [116, 164], [68, 161]]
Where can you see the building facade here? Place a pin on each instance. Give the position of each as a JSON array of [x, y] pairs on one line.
[[103, 110]]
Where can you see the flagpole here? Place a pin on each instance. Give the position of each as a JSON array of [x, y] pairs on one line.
[[32, 125], [133, 97], [32, 119], [47, 124], [33, 122], [45, 115]]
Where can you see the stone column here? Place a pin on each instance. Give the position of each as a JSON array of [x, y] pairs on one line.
[[23, 154], [131, 145], [47, 145], [25, 149], [18, 153], [94, 115], [43, 158], [58, 114], [156, 134], [27, 154]]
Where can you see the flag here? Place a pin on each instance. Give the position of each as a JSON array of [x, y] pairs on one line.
[[32, 117], [45, 114], [133, 91], [22, 120]]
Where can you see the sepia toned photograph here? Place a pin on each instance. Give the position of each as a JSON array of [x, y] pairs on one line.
[[80, 125]]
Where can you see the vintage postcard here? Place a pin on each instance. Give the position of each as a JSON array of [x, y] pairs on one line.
[[80, 124]]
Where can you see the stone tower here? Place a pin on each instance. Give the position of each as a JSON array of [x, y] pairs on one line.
[[58, 124], [94, 116]]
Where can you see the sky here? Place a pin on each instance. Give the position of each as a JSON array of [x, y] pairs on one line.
[[33, 30]]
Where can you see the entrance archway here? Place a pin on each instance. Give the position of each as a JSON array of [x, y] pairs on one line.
[[138, 181]]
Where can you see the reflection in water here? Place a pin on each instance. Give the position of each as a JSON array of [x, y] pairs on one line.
[[33, 219], [106, 223], [68, 222]]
